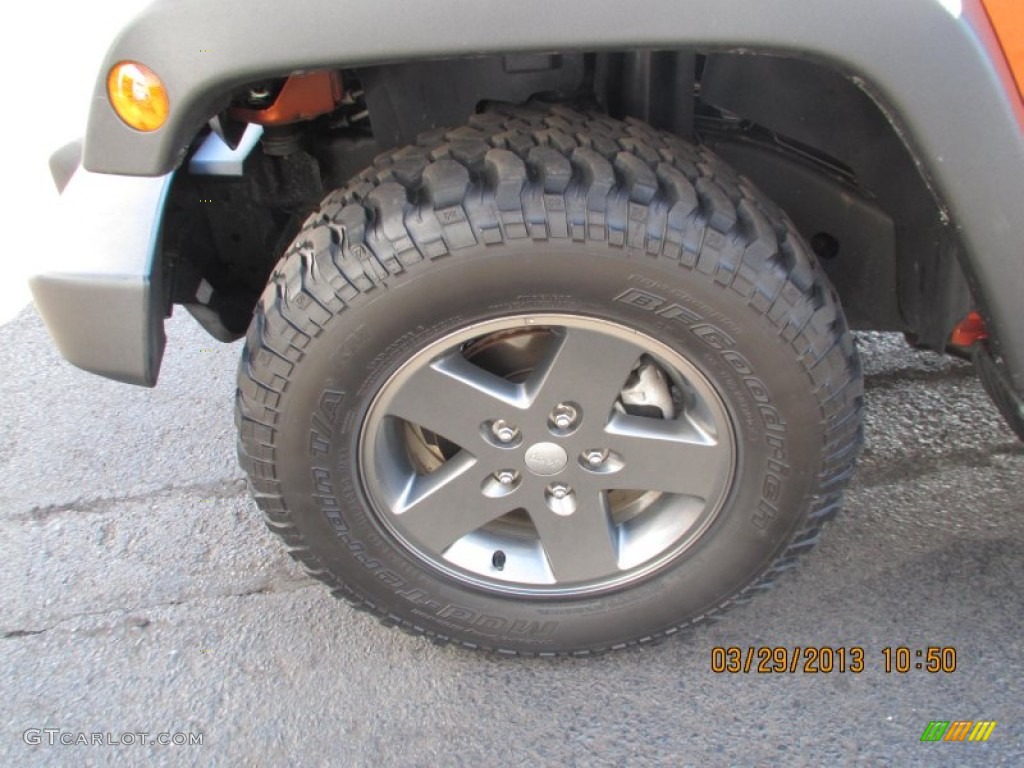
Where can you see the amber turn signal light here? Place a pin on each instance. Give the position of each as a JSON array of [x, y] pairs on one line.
[[138, 95]]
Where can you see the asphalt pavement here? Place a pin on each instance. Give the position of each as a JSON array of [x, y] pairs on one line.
[[141, 593]]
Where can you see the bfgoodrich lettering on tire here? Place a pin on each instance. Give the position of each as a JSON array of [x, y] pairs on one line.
[[547, 383]]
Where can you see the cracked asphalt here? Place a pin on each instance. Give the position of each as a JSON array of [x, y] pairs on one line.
[[142, 593]]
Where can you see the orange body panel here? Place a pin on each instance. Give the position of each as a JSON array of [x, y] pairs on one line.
[[303, 97], [970, 329], [1008, 21]]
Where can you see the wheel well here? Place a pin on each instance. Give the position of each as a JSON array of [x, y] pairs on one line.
[[812, 138]]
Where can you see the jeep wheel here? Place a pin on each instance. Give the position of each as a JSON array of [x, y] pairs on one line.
[[547, 383]]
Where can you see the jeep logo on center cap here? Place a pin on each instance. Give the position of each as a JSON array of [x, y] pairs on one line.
[[546, 459]]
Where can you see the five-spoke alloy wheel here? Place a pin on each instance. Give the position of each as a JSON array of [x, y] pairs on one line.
[[543, 454]]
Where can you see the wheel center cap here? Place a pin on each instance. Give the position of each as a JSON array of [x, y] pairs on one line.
[[546, 459]]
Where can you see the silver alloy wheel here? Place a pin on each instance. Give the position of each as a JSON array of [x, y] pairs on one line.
[[547, 454]]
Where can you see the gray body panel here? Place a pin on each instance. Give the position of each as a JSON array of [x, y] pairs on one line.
[[97, 295], [934, 67]]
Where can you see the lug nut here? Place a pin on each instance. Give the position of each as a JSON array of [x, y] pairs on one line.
[[564, 416], [503, 431], [601, 461], [500, 484], [560, 499]]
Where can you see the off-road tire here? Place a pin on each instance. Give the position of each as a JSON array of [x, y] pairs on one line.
[[556, 211]]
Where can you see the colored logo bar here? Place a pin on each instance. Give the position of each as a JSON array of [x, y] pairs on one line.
[[958, 730]]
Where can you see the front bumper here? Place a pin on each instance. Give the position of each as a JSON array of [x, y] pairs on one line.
[[100, 295]]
